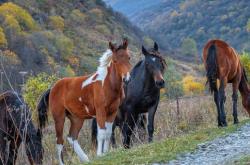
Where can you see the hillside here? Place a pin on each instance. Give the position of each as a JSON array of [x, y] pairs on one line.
[[172, 21], [62, 37]]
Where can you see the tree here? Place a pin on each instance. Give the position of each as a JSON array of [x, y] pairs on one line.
[[173, 87], [188, 47]]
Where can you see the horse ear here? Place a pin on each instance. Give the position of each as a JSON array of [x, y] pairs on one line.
[[125, 43], [111, 46], [144, 51], [155, 46]]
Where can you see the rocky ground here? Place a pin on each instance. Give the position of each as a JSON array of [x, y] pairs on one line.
[[223, 150]]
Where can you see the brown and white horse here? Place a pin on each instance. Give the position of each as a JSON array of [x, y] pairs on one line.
[[98, 95]]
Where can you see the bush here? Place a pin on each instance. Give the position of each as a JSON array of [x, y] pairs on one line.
[[35, 86], [24, 19], [245, 60], [56, 23], [248, 25], [64, 46], [191, 86], [189, 47]]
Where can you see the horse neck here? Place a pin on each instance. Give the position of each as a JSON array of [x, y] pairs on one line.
[[114, 78], [244, 88]]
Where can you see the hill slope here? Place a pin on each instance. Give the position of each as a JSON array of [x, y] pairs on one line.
[[171, 21], [63, 37]]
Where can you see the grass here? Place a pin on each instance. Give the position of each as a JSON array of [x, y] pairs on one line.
[[165, 150], [245, 160]]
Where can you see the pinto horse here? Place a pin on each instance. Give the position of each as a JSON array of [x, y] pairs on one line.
[[223, 66], [80, 98], [15, 127], [142, 95]]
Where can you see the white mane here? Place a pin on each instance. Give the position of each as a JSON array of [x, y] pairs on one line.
[[102, 70]]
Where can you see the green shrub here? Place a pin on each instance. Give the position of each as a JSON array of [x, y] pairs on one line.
[[245, 60], [188, 47], [35, 86]]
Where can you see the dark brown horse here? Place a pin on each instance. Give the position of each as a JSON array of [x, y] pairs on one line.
[[15, 127], [98, 95], [223, 66]]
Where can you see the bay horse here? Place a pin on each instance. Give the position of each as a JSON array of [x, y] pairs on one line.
[[79, 98], [15, 127], [223, 66], [142, 95]]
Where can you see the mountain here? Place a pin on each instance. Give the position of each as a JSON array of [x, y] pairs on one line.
[[170, 22], [59, 37]]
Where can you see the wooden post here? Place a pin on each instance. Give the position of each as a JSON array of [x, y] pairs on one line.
[[178, 108]]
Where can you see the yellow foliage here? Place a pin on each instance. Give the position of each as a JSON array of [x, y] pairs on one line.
[[56, 22], [74, 61], [192, 86], [245, 60], [18, 15], [35, 86], [11, 22], [3, 41], [77, 16]]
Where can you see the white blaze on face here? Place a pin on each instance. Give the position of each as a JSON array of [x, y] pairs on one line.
[[127, 77], [80, 99]]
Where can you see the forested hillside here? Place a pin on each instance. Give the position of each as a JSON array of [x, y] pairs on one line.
[[62, 37], [176, 22]]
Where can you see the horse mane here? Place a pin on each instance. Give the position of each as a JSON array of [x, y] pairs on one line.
[[102, 70], [105, 59], [157, 54]]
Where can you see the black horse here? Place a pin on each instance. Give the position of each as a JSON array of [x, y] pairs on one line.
[[142, 95], [15, 127]]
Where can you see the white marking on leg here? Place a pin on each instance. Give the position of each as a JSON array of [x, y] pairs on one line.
[[101, 135], [80, 99], [59, 148], [108, 126], [78, 150]]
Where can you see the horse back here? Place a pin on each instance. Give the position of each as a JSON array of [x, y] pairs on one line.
[[227, 59]]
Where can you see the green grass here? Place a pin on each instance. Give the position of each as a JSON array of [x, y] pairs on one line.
[[164, 150], [245, 160]]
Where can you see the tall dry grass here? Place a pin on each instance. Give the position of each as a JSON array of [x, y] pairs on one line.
[[197, 112]]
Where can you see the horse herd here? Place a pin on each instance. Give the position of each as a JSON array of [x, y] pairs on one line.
[[114, 96]]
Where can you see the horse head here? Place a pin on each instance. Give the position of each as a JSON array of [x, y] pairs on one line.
[[155, 64], [121, 59]]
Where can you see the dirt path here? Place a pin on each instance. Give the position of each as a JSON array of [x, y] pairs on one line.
[[220, 151]]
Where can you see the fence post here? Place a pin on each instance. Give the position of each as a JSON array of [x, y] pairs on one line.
[[178, 108]]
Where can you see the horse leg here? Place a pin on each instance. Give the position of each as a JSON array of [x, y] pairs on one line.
[[13, 150], [235, 98], [101, 130], [113, 141], [59, 118], [3, 142], [222, 101], [128, 128], [75, 127], [217, 102], [151, 115]]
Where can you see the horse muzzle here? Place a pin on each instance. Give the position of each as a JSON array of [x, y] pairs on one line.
[[160, 84], [126, 78]]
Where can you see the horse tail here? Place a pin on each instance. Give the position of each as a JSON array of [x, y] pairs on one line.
[[212, 68], [42, 109], [94, 133]]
